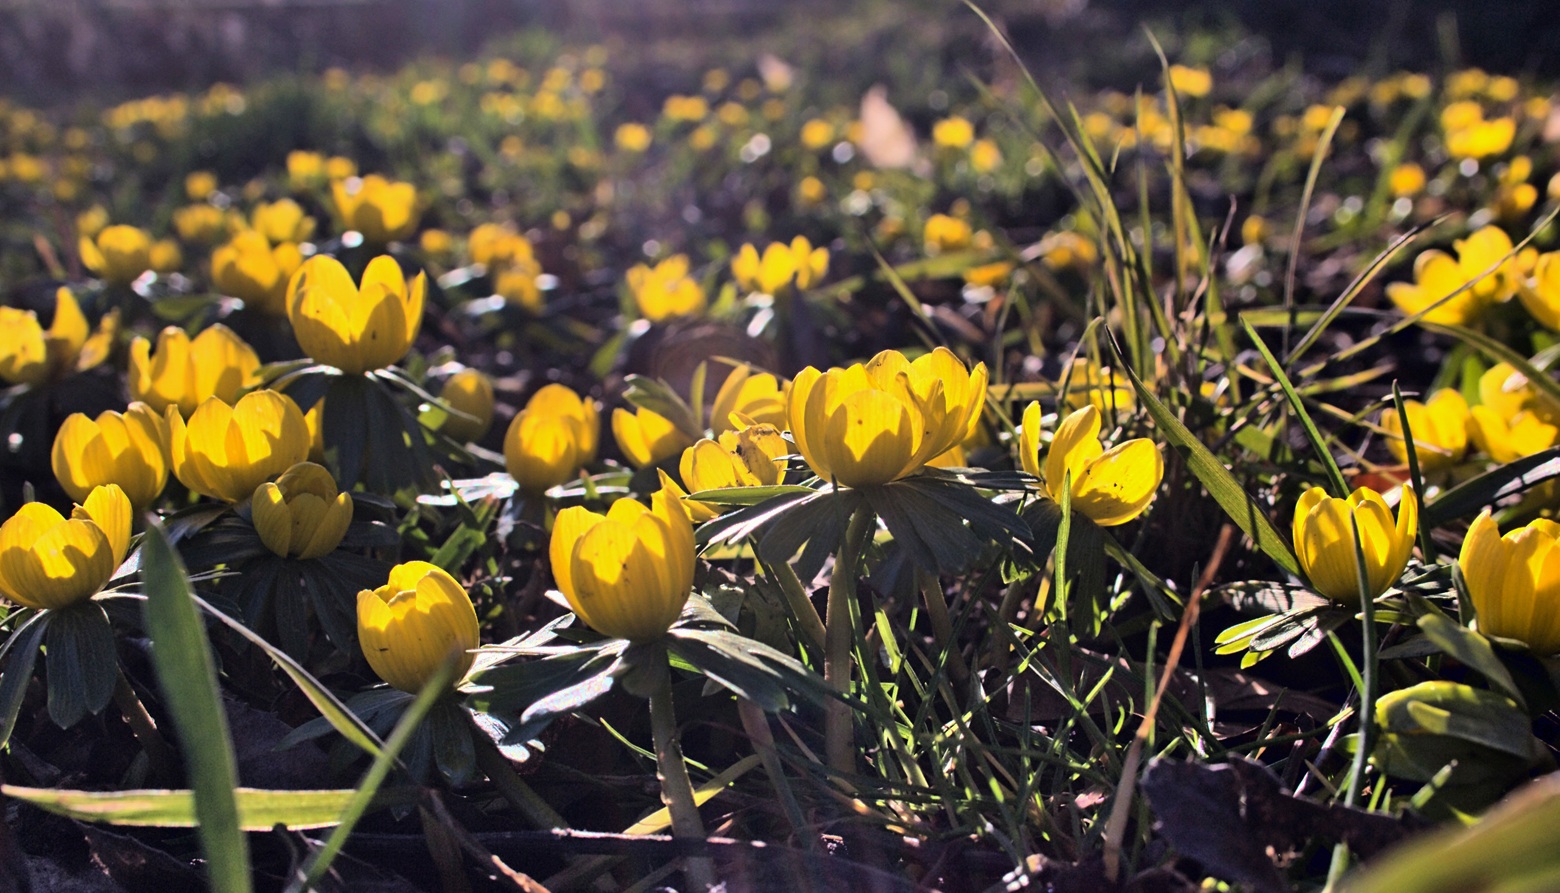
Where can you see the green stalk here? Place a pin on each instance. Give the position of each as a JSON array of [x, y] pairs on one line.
[[1340, 861], [676, 788], [513, 788], [158, 753], [808, 623], [942, 627], [839, 737]]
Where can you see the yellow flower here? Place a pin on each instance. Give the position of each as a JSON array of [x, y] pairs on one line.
[[1440, 429], [355, 330], [339, 168], [305, 169], [665, 291], [1187, 81], [1098, 386], [226, 452], [953, 133], [436, 242], [1481, 139], [184, 373], [127, 449], [249, 268], [1541, 294], [628, 573], [869, 424], [282, 221], [944, 233], [1513, 420], [645, 437], [1324, 541], [1514, 581], [1067, 250], [47, 562], [632, 137], [1437, 275], [1408, 180], [382, 210], [119, 255], [758, 398], [985, 157], [199, 184], [1109, 486], [817, 133], [408, 626], [302, 515], [29, 354], [752, 457], [91, 221], [989, 275], [551, 439], [165, 256], [779, 265], [471, 392], [1507, 440]]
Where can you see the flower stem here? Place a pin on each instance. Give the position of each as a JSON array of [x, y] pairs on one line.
[[942, 627], [807, 620], [676, 788], [158, 753], [839, 743], [513, 788]]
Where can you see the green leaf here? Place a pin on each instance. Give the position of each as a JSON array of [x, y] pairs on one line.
[[83, 664], [188, 676], [258, 810], [656, 396], [1262, 597], [331, 709], [512, 688], [747, 495], [1513, 849], [13, 684], [1489, 488], [751, 669], [1470, 648], [1221, 485]]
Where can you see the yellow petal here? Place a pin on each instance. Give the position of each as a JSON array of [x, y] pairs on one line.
[[869, 439], [569, 525], [110, 510], [1029, 439], [272, 519], [1118, 485]]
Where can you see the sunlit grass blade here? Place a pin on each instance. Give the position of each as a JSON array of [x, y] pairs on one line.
[[1323, 454], [188, 676]]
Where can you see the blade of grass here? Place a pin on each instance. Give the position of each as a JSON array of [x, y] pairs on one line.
[[188, 677], [1340, 487], [1221, 485], [1358, 285], [436, 687], [1498, 351], [1323, 143], [1426, 546]]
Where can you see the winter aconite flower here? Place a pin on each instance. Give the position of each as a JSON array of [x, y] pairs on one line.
[[1324, 541], [356, 329], [408, 626], [1514, 581], [752, 457], [119, 254], [249, 268], [1439, 428], [302, 515], [31, 354], [225, 452], [666, 290], [185, 372], [48, 562], [627, 573], [869, 424], [646, 437], [1437, 275], [382, 210], [1541, 294], [759, 398], [779, 265], [470, 392], [1512, 419], [127, 449], [551, 439], [1111, 486]]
